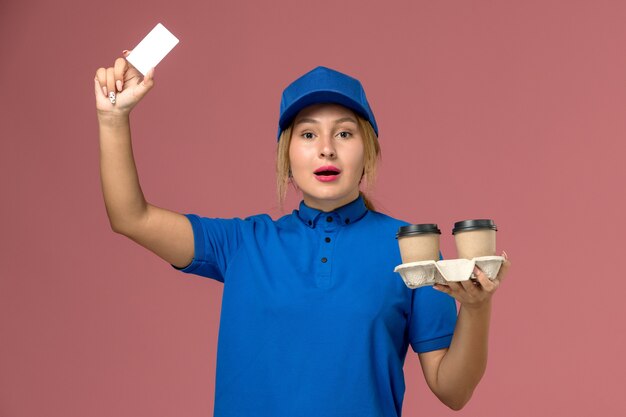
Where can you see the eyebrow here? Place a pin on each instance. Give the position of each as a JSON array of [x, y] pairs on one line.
[[341, 120]]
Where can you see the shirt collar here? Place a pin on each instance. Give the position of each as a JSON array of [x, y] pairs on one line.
[[347, 214]]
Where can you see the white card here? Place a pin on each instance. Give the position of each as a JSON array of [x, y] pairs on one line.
[[152, 49]]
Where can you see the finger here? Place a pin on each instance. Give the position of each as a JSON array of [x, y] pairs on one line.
[[126, 52], [504, 268], [148, 80], [97, 88], [118, 70], [484, 281], [111, 81], [141, 89], [101, 76], [470, 286], [455, 287], [442, 288]]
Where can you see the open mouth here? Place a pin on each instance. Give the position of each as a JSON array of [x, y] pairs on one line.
[[327, 171]]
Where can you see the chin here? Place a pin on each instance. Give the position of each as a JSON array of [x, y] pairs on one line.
[[334, 197]]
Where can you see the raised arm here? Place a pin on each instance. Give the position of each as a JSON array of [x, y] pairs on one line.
[[166, 233]]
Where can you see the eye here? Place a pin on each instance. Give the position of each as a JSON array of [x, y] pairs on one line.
[[307, 135], [345, 135]]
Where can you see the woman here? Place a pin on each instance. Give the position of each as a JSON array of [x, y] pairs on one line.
[[314, 321]]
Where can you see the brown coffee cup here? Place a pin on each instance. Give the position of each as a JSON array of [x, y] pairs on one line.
[[475, 238], [419, 242]]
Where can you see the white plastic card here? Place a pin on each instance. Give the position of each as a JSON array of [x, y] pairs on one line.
[[152, 49]]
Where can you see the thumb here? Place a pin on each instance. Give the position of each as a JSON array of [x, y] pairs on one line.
[[148, 80], [146, 84], [149, 75]]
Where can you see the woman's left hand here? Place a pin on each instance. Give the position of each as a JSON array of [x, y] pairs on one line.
[[476, 292]]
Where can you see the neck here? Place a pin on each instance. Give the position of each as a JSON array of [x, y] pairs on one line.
[[326, 205]]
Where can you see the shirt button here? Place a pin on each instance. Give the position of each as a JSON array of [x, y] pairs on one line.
[[347, 221], [324, 260], [329, 219], [327, 239], [310, 222]]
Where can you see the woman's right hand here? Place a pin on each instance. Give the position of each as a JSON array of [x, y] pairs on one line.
[[126, 82]]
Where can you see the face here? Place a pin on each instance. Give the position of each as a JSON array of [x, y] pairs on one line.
[[326, 155]]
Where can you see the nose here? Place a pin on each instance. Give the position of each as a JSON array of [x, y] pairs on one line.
[[327, 149]]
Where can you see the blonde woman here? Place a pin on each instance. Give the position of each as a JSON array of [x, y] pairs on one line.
[[314, 321]]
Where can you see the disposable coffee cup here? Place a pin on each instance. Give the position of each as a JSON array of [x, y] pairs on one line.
[[475, 238], [419, 242]]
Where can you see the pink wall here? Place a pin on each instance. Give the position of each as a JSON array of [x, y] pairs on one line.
[[511, 110]]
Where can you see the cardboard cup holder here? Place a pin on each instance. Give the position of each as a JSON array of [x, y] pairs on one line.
[[419, 274]]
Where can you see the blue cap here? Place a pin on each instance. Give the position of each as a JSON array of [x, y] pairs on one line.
[[323, 85]]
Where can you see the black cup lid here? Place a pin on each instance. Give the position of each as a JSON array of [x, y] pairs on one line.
[[466, 225], [417, 229]]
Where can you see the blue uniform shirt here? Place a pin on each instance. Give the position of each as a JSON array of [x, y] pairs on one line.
[[314, 321]]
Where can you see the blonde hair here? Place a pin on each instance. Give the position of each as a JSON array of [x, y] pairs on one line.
[[371, 157]]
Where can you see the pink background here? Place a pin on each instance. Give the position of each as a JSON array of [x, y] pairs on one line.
[[504, 109]]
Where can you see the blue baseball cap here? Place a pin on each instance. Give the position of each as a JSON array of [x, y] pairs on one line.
[[323, 85]]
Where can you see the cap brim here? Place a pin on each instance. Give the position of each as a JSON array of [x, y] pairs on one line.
[[318, 97]]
